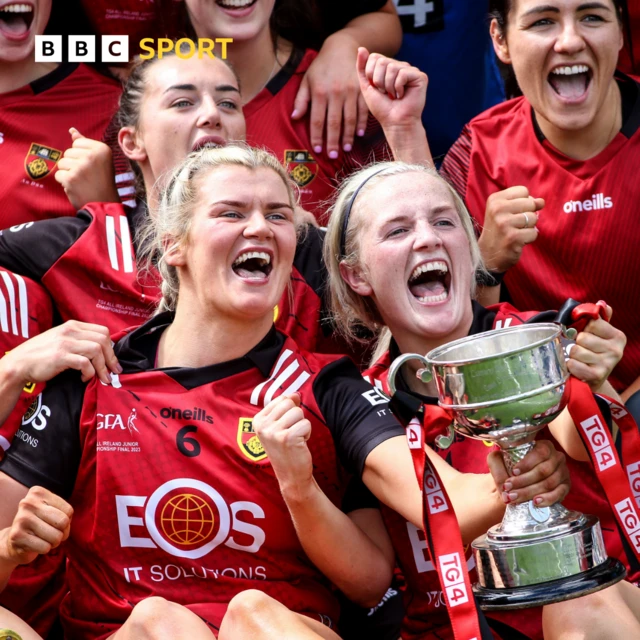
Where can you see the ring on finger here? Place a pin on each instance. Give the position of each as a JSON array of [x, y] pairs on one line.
[[526, 221]]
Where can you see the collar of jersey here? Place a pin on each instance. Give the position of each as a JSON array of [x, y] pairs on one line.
[[136, 352]]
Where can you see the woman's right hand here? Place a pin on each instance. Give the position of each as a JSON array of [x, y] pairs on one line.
[[73, 345], [42, 523], [542, 476], [509, 224]]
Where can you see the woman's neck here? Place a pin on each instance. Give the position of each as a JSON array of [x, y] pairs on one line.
[[256, 61], [200, 340], [14, 75], [587, 143]]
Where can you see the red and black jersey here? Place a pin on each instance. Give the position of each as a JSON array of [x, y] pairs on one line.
[[587, 248], [165, 472], [25, 311], [88, 265], [426, 614], [34, 133], [34, 592], [269, 125]]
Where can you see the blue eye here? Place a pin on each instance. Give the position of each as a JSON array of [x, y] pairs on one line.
[[543, 22], [228, 104], [230, 214], [181, 103], [396, 232], [444, 223]]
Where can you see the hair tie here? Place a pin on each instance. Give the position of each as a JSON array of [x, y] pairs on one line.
[[347, 215]]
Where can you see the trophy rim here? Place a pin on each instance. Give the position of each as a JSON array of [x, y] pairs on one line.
[[434, 354]]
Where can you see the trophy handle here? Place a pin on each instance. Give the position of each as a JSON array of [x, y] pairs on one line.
[[423, 374]]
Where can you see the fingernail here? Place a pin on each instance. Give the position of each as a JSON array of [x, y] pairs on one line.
[[505, 497], [512, 495], [118, 367], [317, 149], [333, 154], [507, 486], [538, 500], [294, 114], [347, 147], [361, 132], [516, 472]]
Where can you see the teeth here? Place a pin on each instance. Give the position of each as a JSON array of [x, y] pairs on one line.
[[235, 3], [17, 8], [243, 257], [441, 298], [429, 266], [570, 71]]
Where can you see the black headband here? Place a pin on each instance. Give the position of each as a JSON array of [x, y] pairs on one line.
[[347, 215]]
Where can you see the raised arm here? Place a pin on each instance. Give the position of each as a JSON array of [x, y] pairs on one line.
[[360, 564], [331, 84]]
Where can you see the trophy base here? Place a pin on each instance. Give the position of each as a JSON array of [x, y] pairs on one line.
[[595, 579], [554, 566]]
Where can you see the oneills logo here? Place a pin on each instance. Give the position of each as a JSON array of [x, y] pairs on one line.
[[41, 161], [301, 165], [249, 442]]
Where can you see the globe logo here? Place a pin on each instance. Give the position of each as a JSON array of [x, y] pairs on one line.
[[187, 519]]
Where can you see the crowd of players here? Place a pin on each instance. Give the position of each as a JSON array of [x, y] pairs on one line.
[[175, 465]]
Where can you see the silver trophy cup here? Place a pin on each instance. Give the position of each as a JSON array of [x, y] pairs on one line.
[[504, 386]]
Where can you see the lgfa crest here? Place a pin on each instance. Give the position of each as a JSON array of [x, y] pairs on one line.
[[302, 167], [41, 161], [249, 442]]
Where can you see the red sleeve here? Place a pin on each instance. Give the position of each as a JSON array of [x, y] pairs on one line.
[[455, 166]]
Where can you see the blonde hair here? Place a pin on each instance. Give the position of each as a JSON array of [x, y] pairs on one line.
[[351, 311], [168, 228]]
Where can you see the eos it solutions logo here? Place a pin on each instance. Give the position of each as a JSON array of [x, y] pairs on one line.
[[596, 202], [115, 49], [187, 518]]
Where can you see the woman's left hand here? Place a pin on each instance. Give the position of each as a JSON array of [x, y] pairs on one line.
[[331, 85], [542, 476], [598, 349], [283, 431]]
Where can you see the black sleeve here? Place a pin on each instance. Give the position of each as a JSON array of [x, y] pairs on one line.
[[357, 414], [357, 496], [32, 248], [46, 448], [309, 262]]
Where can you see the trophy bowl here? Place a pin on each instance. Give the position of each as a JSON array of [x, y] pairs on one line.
[[504, 386]]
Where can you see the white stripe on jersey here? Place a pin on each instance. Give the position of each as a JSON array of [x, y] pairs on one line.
[[125, 241], [13, 308], [111, 243], [12, 301], [256, 392], [280, 380], [24, 305], [127, 249], [299, 381], [125, 177], [126, 191], [4, 324]]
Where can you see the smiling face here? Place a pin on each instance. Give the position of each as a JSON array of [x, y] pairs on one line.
[[238, 256], [414, 258], [20, 22], [564, 53], [187, 104], [241, 20]]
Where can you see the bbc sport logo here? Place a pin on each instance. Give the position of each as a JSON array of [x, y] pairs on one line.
[[115, 49]]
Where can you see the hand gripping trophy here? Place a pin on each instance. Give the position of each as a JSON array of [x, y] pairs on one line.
[[504, 386]]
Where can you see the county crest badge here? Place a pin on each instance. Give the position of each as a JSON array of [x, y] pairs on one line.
[[301, 166], [41, 160], [249, 442]]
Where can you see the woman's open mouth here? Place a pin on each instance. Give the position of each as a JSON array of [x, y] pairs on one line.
[[253, 265], [16, 20], [570, 82], [235, 5], [430, 282]]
